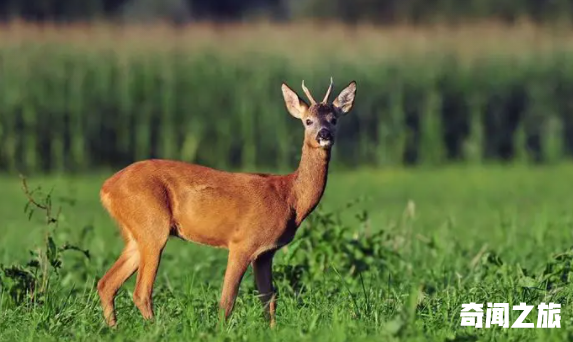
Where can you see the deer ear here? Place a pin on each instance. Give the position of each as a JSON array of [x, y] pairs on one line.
[[295, 105], [345, 100]]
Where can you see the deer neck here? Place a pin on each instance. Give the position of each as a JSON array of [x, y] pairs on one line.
[[309, 181]]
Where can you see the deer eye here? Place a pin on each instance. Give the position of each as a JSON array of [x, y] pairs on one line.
[[308, 122]]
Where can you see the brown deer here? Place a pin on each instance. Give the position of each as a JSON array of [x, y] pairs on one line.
[[252, 215]]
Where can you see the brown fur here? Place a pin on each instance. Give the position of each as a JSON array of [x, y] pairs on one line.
[[251, 215]]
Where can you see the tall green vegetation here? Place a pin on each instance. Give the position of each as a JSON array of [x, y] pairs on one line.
[[66, 108]]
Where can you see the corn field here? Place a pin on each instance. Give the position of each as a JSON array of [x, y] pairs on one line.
[[65, 108]]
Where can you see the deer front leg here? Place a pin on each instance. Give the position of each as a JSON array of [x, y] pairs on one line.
[[262, 268], [236, 266]]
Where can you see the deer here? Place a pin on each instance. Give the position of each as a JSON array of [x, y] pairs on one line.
[[252, 215]]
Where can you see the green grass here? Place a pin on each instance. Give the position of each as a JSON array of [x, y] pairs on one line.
[[441, 251]]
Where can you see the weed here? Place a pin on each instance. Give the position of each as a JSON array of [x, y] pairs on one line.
[[29, 283]]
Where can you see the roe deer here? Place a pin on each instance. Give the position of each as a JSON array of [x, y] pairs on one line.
[[252, 215]]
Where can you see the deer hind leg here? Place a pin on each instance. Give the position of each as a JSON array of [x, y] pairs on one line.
[[262, 268], [153, 228], [110, 283], [237, 264], [148, 266]]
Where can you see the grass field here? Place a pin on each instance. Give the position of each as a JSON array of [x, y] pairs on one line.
[[453, 235]]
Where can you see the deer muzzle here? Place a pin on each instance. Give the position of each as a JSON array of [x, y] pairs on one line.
[[324, 138]]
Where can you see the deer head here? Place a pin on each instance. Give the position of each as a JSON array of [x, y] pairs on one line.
[[319, 118]]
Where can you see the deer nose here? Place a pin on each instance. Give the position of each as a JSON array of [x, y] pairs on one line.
[[324, 134]]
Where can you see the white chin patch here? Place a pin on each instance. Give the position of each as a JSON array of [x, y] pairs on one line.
[[325, 143]]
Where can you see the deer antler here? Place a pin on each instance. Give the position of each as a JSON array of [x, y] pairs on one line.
[[328, 91], [305, 89]]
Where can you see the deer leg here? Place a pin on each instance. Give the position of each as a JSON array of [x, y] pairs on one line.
[[148, 266], [237, 264], [262, 268], [121, 270]]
